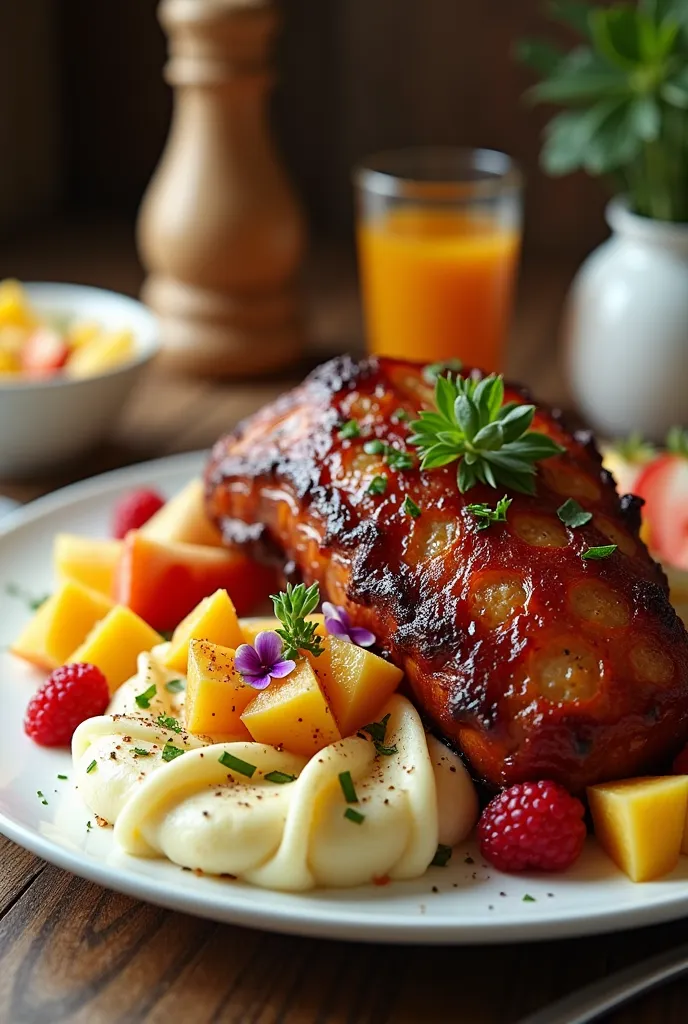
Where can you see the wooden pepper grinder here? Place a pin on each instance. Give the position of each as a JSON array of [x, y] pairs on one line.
[[219, 230]]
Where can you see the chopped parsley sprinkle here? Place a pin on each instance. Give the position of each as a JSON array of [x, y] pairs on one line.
[[143, 699], [442, 856], [348, 789], [596, 554], [32, 602], [62, 778], [169, 752], [374, 447], [92, 767], [410, 508], [280, 777], [235, 763], [528, 899], [376, 731], [401, 415], [572, 514], [349, 430], [168, 722], [140, 752], [354, 816], [41, 797], [89, 826], [378, 485], [434, 370], [396, 458], [486, 515], [175, 686]]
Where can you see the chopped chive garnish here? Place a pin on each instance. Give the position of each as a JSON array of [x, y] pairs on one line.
[[572, 514], [375, 447], [143, 699], [378, 485], [528, 898], [175, 686], [279, 777], [442, 856], [140, 752], [349, 429], [348, 789], [92, 767], [354, 816], [89, 826], [486, 515], [167, 722], [376, 731], [62, 777], [169, 752], [595, 554], [243, 767], [410, 508]]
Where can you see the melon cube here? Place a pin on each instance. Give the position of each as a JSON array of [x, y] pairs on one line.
[[115, 643], [216, 694], [60, 624], [184, 519], [213, 619], [640, 823], [87, 560], [293, 712], [356, 681]]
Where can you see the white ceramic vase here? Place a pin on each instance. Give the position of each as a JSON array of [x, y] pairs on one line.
[[626, 328]]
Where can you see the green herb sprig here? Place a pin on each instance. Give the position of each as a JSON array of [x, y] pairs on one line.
[[572, 514], [490, 438], [396, 458], [487, 515], [376, 731], [627, 87], [596, 554], [291, 608]]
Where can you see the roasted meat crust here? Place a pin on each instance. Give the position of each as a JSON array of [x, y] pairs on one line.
[[534, 662]]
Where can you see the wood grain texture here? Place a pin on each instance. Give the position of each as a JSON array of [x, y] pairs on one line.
[[73, 952]]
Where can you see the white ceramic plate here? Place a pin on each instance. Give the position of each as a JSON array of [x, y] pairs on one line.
[[464, 902]]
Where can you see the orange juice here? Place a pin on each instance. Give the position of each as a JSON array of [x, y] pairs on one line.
[[437, 285]]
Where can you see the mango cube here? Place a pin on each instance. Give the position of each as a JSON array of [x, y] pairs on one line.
[[104, 352], [60, 624], [14, 305], [293, 712], [357, 682], [216, 694], [184, 519], [115, 643], [640, 823], [213, 619], [87, 560]]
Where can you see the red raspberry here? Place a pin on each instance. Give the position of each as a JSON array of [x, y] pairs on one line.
[[133, 510], [680, 766], [70, 695], [532, 825]]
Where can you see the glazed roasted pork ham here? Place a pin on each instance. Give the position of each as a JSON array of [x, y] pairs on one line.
[[532, 661]]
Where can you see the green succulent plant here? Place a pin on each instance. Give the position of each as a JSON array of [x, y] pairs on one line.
[[626, 88]]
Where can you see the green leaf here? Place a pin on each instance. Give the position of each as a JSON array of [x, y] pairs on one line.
[[538, 55], [645, 118], [445, 396], [614, 144], [490, 437], [575, 15], [595, 554], [466, 476], [516, 421], [572, 514], [577, 87], [615, 32], [675, 90], [467, 416], [570, 134]]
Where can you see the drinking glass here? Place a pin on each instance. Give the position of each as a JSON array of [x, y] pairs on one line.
[[438, 234]]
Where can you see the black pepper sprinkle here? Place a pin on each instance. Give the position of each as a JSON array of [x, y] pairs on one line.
[[502, 894], [469, 860], [435, 889]]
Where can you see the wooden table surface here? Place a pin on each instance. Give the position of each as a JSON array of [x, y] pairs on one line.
[[71, 951]]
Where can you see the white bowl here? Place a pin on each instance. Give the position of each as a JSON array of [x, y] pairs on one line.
[[45, 422]]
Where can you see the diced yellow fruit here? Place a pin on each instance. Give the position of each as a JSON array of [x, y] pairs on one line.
[[214, 619], [60, 624], [90, 561], [216, 694], [183, 518], [640, 823], [14, 305], [103, 353], [293, 712], [357, 682], [115, 643], [83, 333], [250, 628], [9, 362]]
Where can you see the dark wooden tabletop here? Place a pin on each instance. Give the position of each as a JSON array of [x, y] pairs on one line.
[[71, 951]]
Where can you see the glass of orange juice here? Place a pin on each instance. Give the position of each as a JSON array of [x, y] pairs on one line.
[[438, 241]]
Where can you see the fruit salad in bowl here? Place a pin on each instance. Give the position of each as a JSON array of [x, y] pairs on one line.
[[465, 635]]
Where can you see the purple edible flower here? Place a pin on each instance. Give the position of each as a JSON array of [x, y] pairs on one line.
[[338, 623], [260, 662]]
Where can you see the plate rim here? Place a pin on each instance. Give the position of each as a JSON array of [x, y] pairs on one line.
[[333, 921]]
